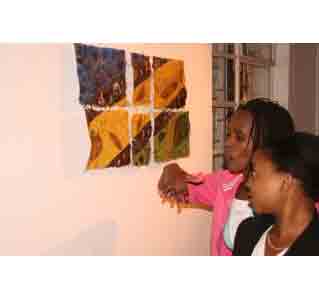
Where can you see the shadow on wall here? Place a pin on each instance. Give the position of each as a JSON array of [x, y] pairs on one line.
[[97, 240], [181, 206]]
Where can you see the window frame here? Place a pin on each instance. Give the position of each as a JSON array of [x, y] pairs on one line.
[[237, 59]]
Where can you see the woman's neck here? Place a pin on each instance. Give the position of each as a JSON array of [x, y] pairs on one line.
[[292, 219], [243, 192]]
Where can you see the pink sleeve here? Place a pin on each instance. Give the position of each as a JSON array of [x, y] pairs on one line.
[[317, 206], [205, 192]]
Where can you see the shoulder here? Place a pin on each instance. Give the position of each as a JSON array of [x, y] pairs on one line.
[[249, 232], [308, 241], [224, 177]]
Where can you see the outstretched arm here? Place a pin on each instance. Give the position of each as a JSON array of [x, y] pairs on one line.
[[181, 186]]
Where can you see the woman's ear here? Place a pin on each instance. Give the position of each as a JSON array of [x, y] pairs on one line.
[[287, 183]]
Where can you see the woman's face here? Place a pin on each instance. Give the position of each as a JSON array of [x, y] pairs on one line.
[[238, 145], [265, 183]]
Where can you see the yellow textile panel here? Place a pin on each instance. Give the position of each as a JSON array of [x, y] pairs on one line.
[[169, 83], [109, 139]]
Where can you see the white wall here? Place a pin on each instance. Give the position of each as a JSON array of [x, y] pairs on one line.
[[48, 205], [280, 86]]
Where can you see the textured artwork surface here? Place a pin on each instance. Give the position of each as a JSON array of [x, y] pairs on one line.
[[169, 83], [109, 139], [134, 106], [171, 136], [101, 73], [141, 131], [142, 79]]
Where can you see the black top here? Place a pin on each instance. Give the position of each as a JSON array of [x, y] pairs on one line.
[[250, 231]]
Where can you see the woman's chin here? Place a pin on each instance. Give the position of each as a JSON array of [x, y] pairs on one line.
[[257, 210], [233, 169]]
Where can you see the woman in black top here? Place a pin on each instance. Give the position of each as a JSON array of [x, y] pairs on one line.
[[284, 183]]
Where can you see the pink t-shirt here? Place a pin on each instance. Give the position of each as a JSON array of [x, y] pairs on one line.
[[217, 191]]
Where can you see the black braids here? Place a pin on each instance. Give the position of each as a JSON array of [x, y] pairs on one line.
[[298, 156], [270, 123]]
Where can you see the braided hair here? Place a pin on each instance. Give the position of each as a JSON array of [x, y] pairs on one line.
[[298, 156], [270, 122]]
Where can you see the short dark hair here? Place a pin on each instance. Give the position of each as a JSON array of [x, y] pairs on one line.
[[298, 155], [271, 122]]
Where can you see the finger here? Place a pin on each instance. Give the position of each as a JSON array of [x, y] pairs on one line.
[[163, 200], [185, 198], [182, 198], [161, 194], [164, 193], [171, 193], [171, 203], [161, 191], [179, 207]]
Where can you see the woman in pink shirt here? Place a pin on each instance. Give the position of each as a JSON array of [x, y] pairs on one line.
[[254, 125]]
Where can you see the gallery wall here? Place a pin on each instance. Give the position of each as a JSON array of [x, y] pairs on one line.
[[49, 204]]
